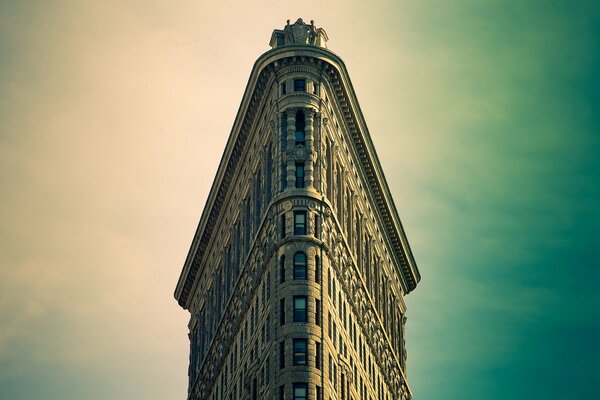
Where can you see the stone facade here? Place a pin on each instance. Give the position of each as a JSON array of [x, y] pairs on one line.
[[296, 275]]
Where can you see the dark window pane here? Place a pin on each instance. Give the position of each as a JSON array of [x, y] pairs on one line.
[[300, 138], [300, 223], [300, 390], [300, 175], [281, 354], [300, 309], [300, 127], [300, 349], [299, 85], [300, 266]]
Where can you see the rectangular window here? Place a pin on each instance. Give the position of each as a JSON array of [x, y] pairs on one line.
[[268, 328], [281, 355], [282, 269], [299, 222], [317, 227], [300, 351], [317, 269], [267, 370], [283, 88], [299, 85], [300, 391], [281, 311], [318, 312], [319, 393], [318, 355], [315, 88], [283, 176], [300, 137], [282, 226], [299, 175], [300, 266], [282, 392], [300, 314]]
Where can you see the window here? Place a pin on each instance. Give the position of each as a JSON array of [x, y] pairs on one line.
[[282, 392], [315, 88], [317, 227], [318, 312], [283, 176], [299, 222], [281, 355], [282, 226], [283, 88], [299, 85], [318, 355], [300, 349], [299, 175], [319, 393], [300, 137], [300, 314], [281, 311], [282, 269], [300, 265], [317, 269], [300, 127], [300, 390]]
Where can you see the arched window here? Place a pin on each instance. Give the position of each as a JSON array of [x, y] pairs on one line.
[[300, 265]]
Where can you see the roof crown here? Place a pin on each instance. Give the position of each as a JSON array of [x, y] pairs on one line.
[[299, 33]]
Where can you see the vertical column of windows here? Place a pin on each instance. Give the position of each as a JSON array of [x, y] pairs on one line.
[[283, 145], [291, 140], [310, 140]]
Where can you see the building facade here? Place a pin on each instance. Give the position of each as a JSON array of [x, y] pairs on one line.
[[296, 275]]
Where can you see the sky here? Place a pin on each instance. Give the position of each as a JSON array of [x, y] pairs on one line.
[[485, 116]]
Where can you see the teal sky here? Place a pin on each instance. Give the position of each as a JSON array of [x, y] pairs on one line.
[[485, 116]]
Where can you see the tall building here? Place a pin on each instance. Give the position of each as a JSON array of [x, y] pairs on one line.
[[296, 275]]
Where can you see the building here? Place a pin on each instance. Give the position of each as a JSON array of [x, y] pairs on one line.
[[296, 274]]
